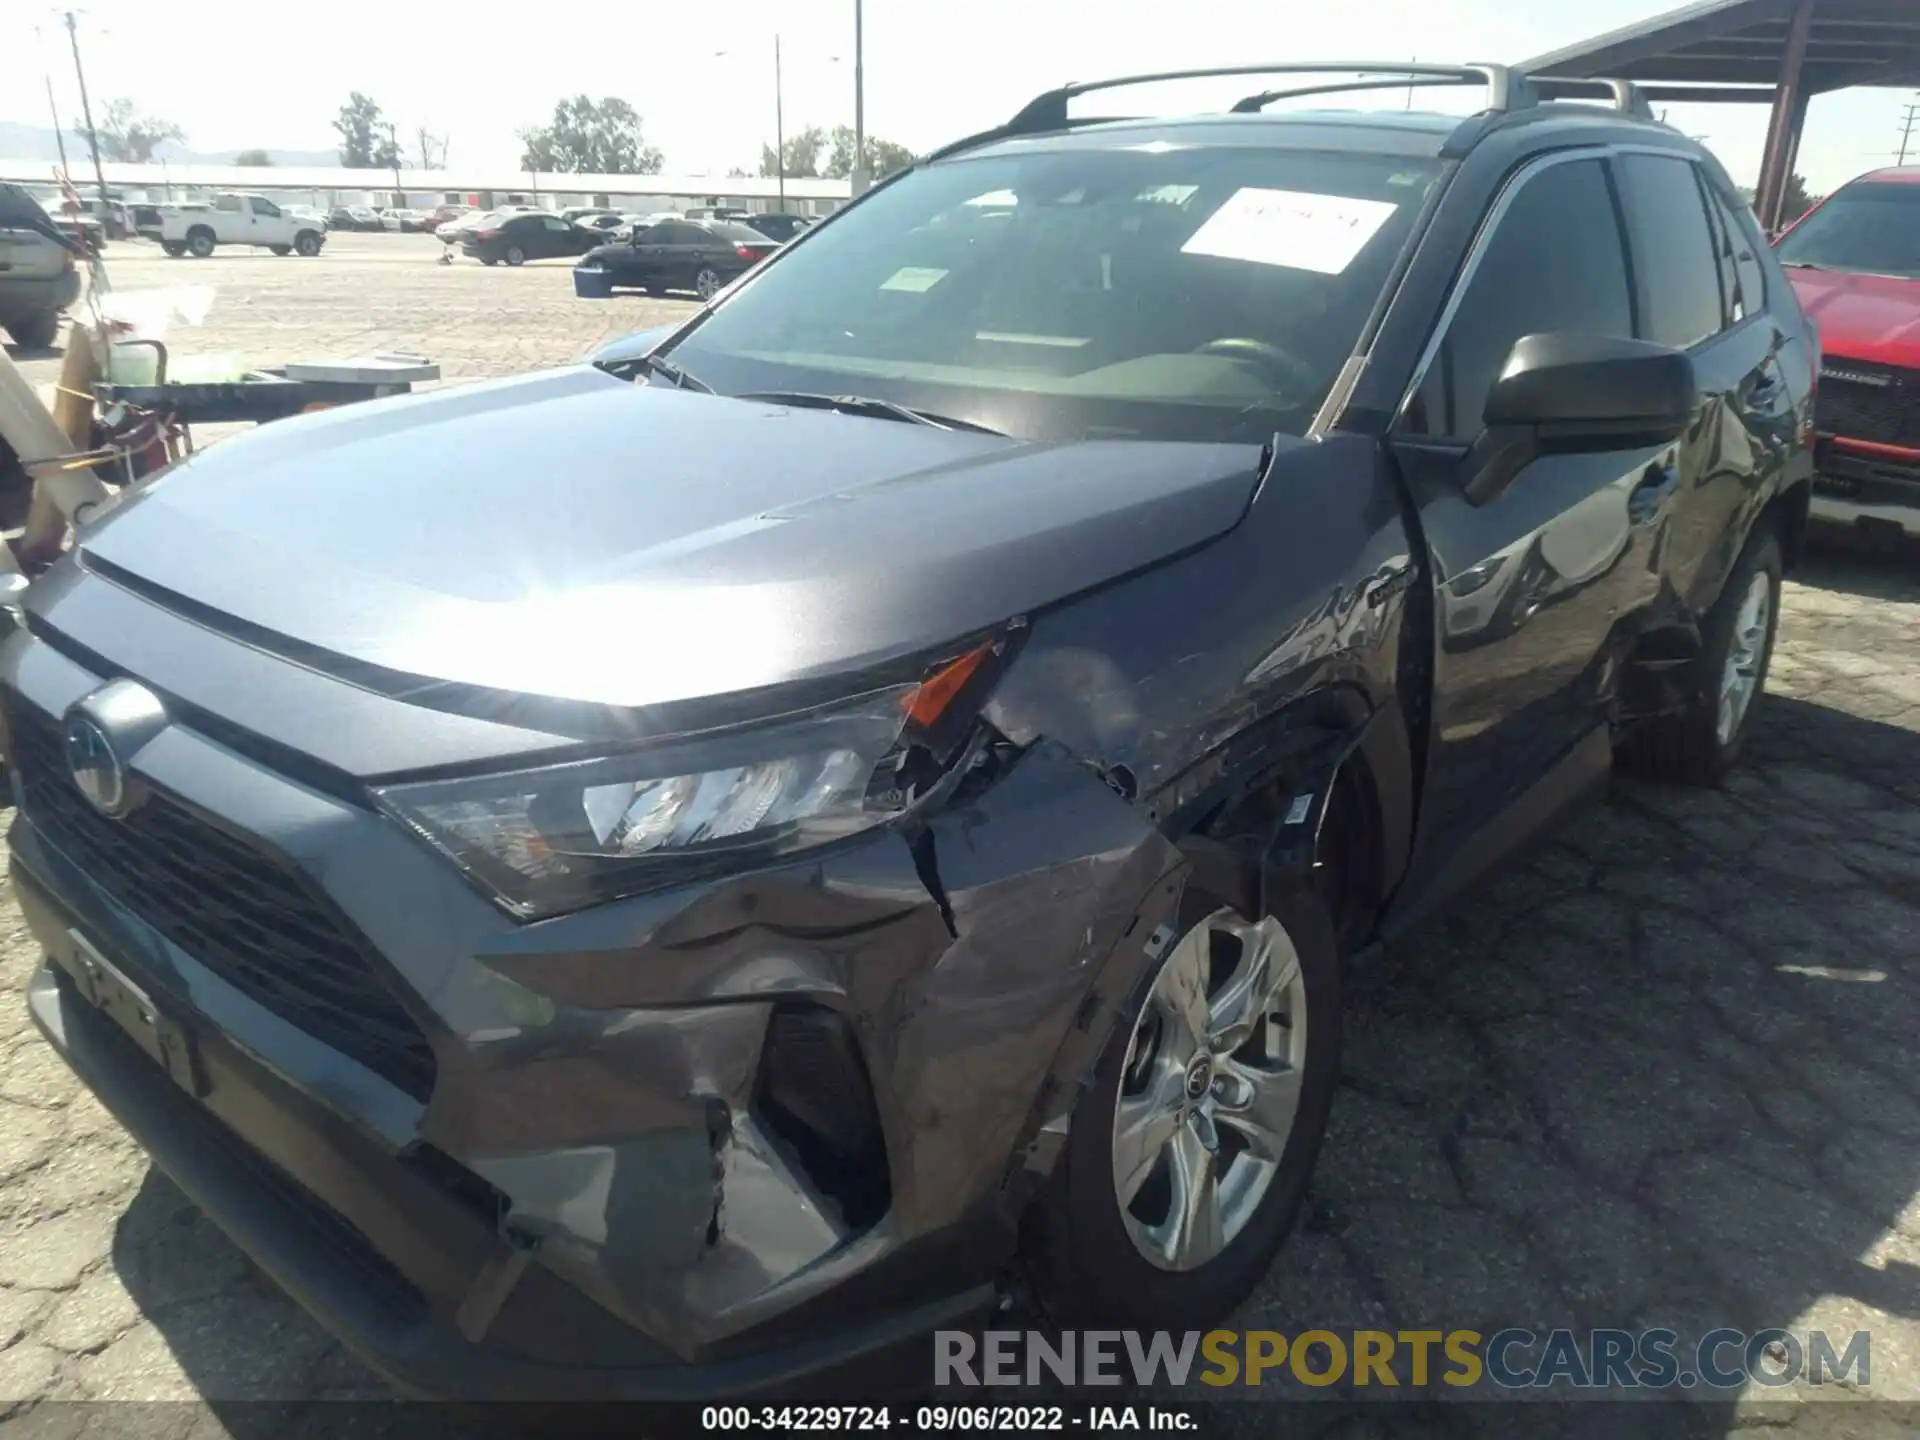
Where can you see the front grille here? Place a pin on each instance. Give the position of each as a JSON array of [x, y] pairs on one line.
[[1886, 414], [243, 913]]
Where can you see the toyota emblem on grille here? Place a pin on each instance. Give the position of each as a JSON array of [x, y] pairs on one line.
[[102, 733]]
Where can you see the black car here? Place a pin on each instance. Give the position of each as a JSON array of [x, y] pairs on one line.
[[343, 217], [778, 226], [534, 235], [698, 255], [892, 840]]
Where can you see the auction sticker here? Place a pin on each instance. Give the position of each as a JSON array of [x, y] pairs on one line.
[[1292, 228], [915, 278]]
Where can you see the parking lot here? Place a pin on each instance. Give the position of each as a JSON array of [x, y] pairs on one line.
[[1660, 1075]]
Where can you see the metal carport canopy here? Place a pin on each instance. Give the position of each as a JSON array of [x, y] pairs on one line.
[[1781, 52]]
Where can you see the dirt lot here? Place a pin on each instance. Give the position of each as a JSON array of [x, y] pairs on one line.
[[1662, 1074]]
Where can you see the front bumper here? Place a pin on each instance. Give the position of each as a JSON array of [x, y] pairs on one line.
[[589, 1196], [20, 295], [1867, 486]]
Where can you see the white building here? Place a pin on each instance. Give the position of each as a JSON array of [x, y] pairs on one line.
[[426, 189]]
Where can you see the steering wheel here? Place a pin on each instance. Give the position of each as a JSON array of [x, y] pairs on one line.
[[1278, 363]]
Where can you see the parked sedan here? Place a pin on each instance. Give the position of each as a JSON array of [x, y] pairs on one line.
[[698, 255], [517, 239]]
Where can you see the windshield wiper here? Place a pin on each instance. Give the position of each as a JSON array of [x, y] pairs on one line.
[[671, 373], [1800, 265], [866, 405]]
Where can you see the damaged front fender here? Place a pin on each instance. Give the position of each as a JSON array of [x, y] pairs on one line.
[[688, 1204]]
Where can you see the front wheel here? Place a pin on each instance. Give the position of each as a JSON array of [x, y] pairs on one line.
[[200, 243], [1701, 743], [516, 256], [306, 244], [1188, 1157], [708, 282], [36, 330]]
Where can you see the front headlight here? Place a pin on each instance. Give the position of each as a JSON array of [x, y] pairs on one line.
[[551, 840]]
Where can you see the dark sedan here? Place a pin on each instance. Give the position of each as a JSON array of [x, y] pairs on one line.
[[698, 255], [777, 225], [520, 238]]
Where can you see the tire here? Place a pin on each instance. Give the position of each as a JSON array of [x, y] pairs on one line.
[[485, 261], [200, 243], [306, 244], [515, 256], [708, 283], [174, 248], [281, 249], [36, 330], [1701, 743], [1089, 1255]]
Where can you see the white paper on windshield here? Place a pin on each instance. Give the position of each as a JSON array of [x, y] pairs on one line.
[[913, 278], [1293, 228]]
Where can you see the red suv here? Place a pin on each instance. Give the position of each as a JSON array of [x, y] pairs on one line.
[[1855, 261]]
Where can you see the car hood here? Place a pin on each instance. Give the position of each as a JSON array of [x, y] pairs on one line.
[[1862, 317], [573, 535]]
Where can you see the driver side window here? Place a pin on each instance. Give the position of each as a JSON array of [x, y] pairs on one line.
[[1555, 262]]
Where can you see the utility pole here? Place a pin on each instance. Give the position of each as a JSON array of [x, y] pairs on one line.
[[86, 109], [779, 126], [393, 144], [59, 135], [1906, 130], [859, 185]]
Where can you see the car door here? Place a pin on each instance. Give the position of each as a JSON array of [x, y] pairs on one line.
[[1529, 586], [556, 237], [230, 221], [270, 224], [681, 253], [1678, 218]]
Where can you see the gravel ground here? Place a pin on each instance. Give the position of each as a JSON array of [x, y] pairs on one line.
[[1658, 1074]]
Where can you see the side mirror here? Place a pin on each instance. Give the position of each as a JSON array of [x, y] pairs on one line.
[[1564, 393]]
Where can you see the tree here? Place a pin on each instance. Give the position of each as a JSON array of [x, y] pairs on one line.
[[127, 136], [433, 150], [1795, 202], [585, 138], [366, 140], [738, 172], [883, 156], [252, 157], [801, 151]]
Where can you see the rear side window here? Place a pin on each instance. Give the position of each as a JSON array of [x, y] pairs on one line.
[[1673, 249], [227, 204], [1554, 262], [1741, 238]]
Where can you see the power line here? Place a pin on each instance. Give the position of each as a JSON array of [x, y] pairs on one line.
[[1907, 124]]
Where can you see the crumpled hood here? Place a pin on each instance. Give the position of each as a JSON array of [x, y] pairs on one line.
[[1862, 317], [570, 534]]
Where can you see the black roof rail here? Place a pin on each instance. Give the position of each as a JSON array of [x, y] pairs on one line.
[[1626, 96], [1507, 90]]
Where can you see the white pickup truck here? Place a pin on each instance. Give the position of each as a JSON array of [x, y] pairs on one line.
[[197, 229]]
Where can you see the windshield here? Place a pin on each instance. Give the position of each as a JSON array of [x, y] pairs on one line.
[[1871, 228], [1147, 292]]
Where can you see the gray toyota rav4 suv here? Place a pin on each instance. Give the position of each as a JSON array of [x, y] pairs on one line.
[[669, 877]]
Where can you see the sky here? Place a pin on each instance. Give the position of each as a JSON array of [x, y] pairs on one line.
[[240, 73]]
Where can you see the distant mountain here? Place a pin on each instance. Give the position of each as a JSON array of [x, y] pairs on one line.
[[38, 142]]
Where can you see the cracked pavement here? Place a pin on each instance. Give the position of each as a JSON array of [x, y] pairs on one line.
[[1657, 1073]]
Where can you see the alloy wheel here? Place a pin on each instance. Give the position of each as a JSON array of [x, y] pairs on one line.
[[1740, 676], [1210, 1089], [707, 283]]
